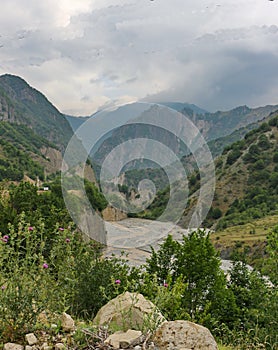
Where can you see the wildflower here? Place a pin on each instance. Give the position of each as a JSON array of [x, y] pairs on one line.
[[118, 281], [3, 287], [45, 266], [5, 239], [67, 240], [61, 229], [166, 285], [30, 228]]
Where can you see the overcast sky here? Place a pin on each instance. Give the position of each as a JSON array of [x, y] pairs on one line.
[[83, 54]]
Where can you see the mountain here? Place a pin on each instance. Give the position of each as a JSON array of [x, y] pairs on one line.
[[223, 123], [22, 104], [219, 129], [217, 146], [33, 132], [189, 107], [25, 155], [75, 122], [246, 178]]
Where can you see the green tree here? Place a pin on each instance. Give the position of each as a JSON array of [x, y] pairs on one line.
[[199, 263], [196, 262], [163, 262]]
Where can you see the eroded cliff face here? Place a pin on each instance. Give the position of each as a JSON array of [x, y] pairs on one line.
[[52, 161], [7, 112], [113, 214]]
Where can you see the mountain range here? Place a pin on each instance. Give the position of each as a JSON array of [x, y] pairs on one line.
[[243, 141]]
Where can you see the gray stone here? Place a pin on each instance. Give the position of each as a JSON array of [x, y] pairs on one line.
[[31, 339], [129, 310], [60, 346], [124, 339], [182, 335], [67, 322], [13, 346]]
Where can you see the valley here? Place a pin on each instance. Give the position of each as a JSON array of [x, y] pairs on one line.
[[46, 254]]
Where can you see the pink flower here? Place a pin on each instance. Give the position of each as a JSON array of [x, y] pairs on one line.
[[5, 238], [3, 287], [31, 228], [118, 281], [165, 285], [61, 229], [67, 240], [45, 266]]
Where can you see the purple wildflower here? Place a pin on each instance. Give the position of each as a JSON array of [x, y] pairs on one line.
[[118, 281], [67, 240], [166, 285], [4, 240], [45, 266], [61, 228], [3, 287], [31, 228]]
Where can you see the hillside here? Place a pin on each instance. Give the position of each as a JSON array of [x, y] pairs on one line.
[[217, 146], [222, 123], [247, 177], [22, 104], [21, 153], [246, 181]]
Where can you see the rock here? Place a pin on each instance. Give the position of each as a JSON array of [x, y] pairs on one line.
[[67, 323], [12, 346], [43, 318], [137, 347], [60, 346], [28, 347], [31, 339], [113, 214], [124, 339], [129, 311], [45, 346], [183, 335]]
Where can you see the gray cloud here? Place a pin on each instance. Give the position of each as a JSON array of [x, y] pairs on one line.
[[85, 54]]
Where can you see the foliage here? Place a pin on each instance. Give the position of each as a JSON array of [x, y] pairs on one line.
[[29, 107], [25, 197], [96, 198], [260, 196], [69, 276], [17, 144], [196, 263], [231, 309]]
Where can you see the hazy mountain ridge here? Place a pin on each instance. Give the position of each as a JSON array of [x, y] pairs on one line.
[[223, 123]]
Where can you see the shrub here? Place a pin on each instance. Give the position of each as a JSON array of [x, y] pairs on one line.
[[57, 272]]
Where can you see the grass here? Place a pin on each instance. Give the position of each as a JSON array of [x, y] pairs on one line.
[[248, 234]]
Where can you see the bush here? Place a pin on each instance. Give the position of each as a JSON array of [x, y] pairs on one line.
[[57, 272]]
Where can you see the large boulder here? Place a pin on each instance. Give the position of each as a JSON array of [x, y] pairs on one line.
[[180, 335], [129, 311]]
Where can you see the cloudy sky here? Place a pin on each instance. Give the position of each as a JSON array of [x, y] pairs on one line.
[[83, 54]]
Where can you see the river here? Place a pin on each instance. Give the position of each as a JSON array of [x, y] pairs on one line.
[[135, 237]]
